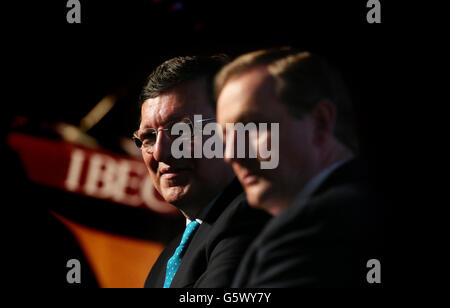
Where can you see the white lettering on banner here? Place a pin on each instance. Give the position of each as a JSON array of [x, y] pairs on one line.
[[101, 177], [120, 180], [75, 167]]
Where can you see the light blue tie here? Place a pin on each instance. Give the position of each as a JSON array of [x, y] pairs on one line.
[[174, 263]]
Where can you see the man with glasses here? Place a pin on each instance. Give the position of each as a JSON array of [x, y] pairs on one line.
[[219, 224]]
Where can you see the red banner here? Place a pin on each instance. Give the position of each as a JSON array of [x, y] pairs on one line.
[[93, 173]]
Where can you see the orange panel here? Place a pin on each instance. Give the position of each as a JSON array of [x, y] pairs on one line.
[[117, 261]]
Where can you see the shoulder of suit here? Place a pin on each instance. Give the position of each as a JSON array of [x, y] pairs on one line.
[[348, 210], [239, 219], [348, 197], [169, 249], [240, 211]]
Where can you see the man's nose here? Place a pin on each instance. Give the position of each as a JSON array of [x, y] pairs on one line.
[[162, 147], [230, 146]]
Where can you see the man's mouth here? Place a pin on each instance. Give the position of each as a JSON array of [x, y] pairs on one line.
[[170, 172]]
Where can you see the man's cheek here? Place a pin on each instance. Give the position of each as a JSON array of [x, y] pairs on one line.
[[152, 164]]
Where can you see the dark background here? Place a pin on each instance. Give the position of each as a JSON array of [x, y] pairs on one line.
[[57, 71]]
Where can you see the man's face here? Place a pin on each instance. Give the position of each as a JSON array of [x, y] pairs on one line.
[[185, 180], [251, 97]]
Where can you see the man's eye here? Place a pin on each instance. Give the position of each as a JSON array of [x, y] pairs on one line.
[[149, 137]]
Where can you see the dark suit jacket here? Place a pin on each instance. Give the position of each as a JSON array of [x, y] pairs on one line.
[[323, 241], [217, 247]]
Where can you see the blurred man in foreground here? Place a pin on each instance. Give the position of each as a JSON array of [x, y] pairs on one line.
[[220, 226], [326, 217]]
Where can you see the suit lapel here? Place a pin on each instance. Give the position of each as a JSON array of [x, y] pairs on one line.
[[157, 274], [244, 271], [195, 260]]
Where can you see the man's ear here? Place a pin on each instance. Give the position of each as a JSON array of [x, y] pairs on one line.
[[324, 117]]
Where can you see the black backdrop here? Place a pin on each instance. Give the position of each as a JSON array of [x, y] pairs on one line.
[[57, 71]]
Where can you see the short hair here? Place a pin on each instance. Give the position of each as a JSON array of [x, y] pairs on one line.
[[179, 70], [301, 79]]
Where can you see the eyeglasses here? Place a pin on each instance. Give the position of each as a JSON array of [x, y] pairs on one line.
[[147, 138]]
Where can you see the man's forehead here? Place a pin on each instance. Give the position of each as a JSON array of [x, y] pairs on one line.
[[172, 106], [160, 110], [253, 78], [253, 82], [166, 102], [249, 95]]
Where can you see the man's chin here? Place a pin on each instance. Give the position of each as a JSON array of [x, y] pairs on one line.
[[174, 194], [257, 194]]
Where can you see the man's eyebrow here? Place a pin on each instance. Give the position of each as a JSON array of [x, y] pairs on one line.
[[170, 119], [251, 116]]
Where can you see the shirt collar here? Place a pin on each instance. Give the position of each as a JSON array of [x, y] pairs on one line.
[[204, 211]]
